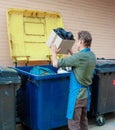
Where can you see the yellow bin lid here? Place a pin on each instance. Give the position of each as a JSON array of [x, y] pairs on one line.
[[28, 31]]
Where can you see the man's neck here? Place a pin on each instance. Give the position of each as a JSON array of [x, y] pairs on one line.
[[83, 48]]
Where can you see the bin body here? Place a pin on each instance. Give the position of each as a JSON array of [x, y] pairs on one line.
[[43, 99], [9, 81], [103, 88]]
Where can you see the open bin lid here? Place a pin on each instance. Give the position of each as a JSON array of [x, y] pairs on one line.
[[28, 31]]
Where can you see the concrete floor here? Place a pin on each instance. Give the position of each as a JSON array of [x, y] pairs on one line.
[[109, 124]]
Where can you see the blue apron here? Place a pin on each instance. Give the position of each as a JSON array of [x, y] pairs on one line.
[[74, 90]]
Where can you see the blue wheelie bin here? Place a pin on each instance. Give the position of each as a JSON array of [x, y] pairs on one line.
[[42, 100]]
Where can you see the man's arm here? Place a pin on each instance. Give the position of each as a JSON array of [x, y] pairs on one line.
[[54, 51], [64, 62]]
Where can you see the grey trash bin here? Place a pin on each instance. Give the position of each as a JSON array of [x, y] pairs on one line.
[[9, 82], [103, 90]]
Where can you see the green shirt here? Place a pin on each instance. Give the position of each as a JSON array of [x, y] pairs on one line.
[[83, 65]]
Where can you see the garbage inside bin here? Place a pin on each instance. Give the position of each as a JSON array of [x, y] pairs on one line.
[[41, 71], [9, 82]]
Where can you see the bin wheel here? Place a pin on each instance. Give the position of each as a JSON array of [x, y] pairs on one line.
[[24, 126], [100, 120]]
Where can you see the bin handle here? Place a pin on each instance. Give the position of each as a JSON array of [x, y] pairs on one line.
[[8, 82]]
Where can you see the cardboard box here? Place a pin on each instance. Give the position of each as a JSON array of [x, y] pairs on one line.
[[63, 44]]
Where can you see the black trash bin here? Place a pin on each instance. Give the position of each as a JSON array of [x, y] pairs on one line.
[[9, 82], [103, 90]]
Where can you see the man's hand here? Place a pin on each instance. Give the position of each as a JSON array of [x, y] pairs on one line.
[[70, 51], [54, 49]]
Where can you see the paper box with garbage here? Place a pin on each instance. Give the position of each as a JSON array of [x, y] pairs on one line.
[[62, 39]]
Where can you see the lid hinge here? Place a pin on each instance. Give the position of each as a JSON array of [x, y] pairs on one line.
[[17, 59], [49, 58], [58, 56]]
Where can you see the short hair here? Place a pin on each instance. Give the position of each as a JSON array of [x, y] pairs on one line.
[[86, 37]]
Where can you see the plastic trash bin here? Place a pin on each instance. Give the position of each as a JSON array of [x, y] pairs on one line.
[[42, 100], [103, 90], [9, 82]]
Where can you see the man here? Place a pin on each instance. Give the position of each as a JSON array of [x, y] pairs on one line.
[[83, 64]]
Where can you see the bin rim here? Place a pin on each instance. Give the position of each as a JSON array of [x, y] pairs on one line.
[[43, 77], [105, 70]]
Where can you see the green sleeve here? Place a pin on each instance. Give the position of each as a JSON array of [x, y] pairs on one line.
[[71, 61]]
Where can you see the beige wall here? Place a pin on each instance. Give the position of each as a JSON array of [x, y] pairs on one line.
[[97, 16]]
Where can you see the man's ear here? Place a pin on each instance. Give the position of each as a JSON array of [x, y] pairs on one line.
[[81, 41]]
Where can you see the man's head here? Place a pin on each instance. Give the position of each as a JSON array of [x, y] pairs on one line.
[[84, 40]]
